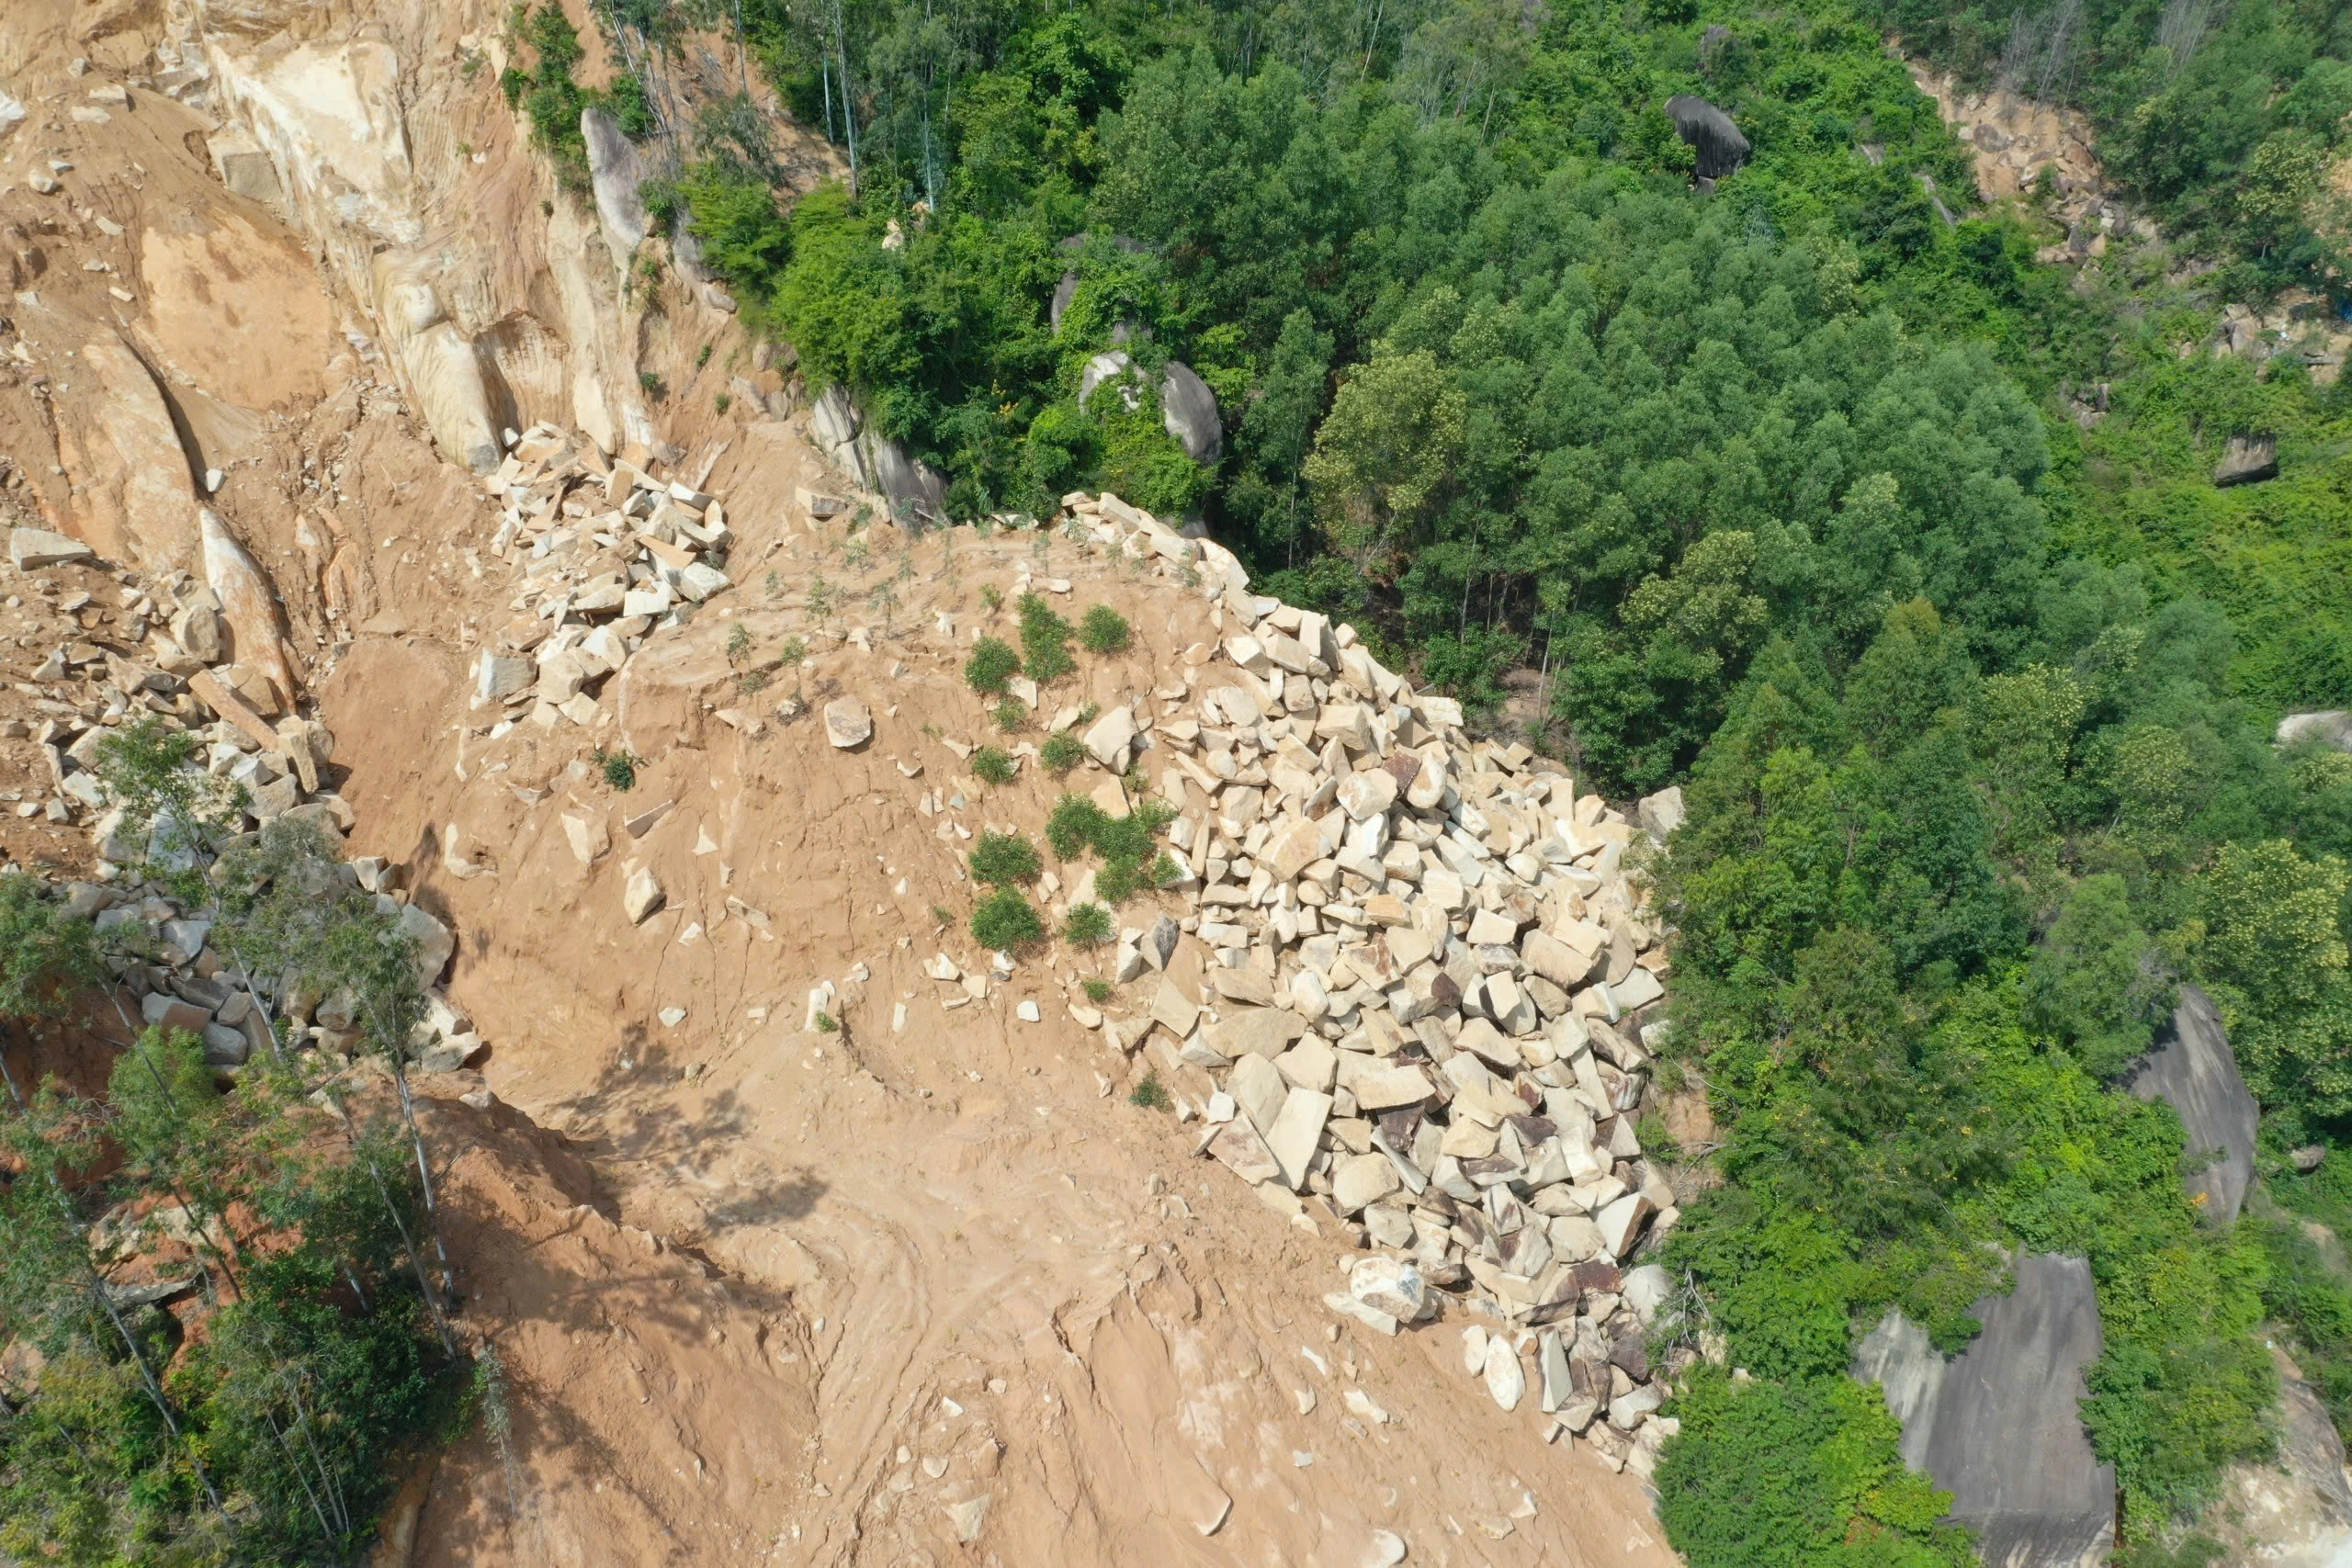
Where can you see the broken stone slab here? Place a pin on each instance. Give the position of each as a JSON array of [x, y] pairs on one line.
[[1108, 739], [1361, 1181], [1239, 1147], [848, 723], [1257, 1090], [1297, 1131], [33, 548], [1254, 1032], [1660, 814]]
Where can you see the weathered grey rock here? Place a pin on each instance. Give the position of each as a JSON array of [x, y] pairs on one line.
[[32, 548], [1660, 814], [1258, 1090], [224, 1046], [161, 1010], [1998, 1426], [2247, 460], [434, 942], [615, 172], [1188, 410], [2191, 1068], [2333, 727], [2307, 1158], [1710, 134], [916, 490], [848, 723], [1064, 292], [1646, 1289]]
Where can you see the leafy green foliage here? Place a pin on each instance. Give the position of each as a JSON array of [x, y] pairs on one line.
[[1087, 925], [1149, 1093], [991, 765], [1104, 630], [1098, 990], [1798, 1475], [618, 769], [1006, 920], [1127, 845], [1010, 715], [1003, 860], [991, 667], [1062, 752], [1045, 641]]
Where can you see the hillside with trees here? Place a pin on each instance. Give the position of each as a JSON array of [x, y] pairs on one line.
[[1784, 488]]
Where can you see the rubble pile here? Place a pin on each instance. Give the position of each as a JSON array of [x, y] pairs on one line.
[[608, 555], [1415, 994], [163, 655], [169, 974]]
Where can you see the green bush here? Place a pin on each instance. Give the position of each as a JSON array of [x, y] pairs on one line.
[[1045, 641], [993, 765], [1062, 752], [1005, 922], [1087, 925], [1149, 1093], [1010, 715], [1104, 630], [619, 768], [1127, 845], [1795, 1475], [1003, 859], [990, 669], [1098, 991]]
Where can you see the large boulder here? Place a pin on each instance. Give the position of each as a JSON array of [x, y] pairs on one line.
[[2333, 727], [2295, 1512], [2247, 460], [2192, 1069], [1997, 1425], [615, 175], [1710, 134], [1187, 407]]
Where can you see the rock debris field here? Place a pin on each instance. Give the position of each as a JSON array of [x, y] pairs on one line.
[[1409, 988]]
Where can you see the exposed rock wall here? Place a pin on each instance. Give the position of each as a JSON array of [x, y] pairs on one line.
[[1997, 1425], [496, 299], [2192, 1069]]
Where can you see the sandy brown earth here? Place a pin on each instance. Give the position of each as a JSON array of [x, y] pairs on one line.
[[926, 1295]]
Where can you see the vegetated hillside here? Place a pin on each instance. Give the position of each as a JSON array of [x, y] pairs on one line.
[[1816, 490]]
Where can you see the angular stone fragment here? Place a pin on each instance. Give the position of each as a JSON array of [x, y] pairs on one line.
[[1258, 1090], [1393, 1285], [1367, 794], [32, 548], [1557, 962], [1391, 1087], [1296, 1131], [848, 723], [1239, 1147], [1621, 1223], [1361, 1181], [1108, 739], [640, 894]]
